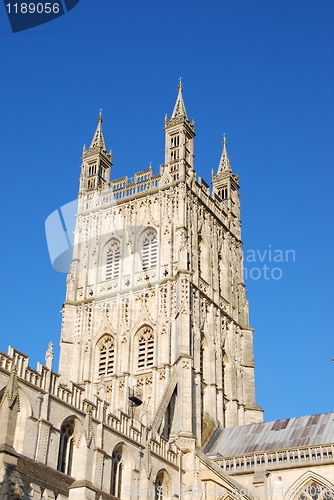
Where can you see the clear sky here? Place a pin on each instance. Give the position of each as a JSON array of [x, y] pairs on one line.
[[260, 71]]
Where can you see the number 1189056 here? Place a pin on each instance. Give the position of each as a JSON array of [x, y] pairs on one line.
[[32, 8]]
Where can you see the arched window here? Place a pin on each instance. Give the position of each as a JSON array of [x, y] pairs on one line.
[[159, 489], [113, 259], [150, 250], [116, 473], [66, 444], [107, 357], [145, 348], [315, 491]]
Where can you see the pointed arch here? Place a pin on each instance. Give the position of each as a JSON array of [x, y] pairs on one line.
[[117, 467], [66, 445], [121, 467], [23, 415], [149, 249], [106, 355], [144, 344], [113, 257], [310, 486], [229, 496], [104, 329], [162, 485]]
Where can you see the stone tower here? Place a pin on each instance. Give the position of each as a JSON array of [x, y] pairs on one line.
[[155, 320]]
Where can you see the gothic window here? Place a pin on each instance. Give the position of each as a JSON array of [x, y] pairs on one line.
[[116, 473], [145, 348], [92, 170], [222, 193], [66, 445], [150, 251], [159, 489], [113, 260], [314, 491], [107, 356], [161, 486], [102, 172]]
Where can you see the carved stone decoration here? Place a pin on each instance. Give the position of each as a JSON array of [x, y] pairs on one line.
[[12, 487], [147, 460], [88, 318], [49, 355], [12, 390], [104, 307], [77, 334], [125, 312], [87, 431], [140, 382]]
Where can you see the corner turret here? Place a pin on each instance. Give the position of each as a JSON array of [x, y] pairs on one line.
[[179, 143], [96, 163]]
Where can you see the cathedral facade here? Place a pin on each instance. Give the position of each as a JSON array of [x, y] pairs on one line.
[[154, 396]]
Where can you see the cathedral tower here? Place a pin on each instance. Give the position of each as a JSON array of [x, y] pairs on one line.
[[155, 320]]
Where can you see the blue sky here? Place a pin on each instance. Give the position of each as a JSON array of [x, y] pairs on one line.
[[260, 71]]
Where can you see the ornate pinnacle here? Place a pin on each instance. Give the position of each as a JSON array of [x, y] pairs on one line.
[[49, 355], [224, 164], [12, 390], [180, 85]]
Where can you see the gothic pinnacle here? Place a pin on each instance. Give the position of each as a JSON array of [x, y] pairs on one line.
[[224, 164], [179, 108], [98, 139]]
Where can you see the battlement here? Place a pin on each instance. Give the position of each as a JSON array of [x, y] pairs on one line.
[[126, 187], [47, 382]]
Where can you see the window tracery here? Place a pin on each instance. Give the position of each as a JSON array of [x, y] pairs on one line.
[[116, 473], [159, 490], [145, 349], [150, 251], [113, 260], [66, 445], [314, 491], [107, 357]]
